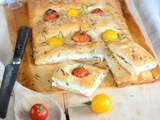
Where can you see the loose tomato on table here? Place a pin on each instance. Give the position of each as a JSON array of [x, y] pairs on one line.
[[80, 72], [50, 15], [98, 11], [38, 112], [81, 36], [101, 103]]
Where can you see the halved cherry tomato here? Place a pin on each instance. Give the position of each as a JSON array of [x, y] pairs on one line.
[[109, 35], [38, 112], [73, 12], [81, 36], [80, 72], [55, 41], [98, 11], [101, 103], [50, 15]]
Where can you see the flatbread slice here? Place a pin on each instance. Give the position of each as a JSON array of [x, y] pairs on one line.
[[122, 77], [130, 55], [64, 79]]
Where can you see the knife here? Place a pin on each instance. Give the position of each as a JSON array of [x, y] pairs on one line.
[[11, 70]]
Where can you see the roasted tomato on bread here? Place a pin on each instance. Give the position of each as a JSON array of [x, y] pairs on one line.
[[98, 11], [80, 72], [81, 36], [50, 15]]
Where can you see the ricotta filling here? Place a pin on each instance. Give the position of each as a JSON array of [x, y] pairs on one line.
[[131, 67], [77, 88], [96, 54]]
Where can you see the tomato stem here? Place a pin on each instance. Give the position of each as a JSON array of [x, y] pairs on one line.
[[81, 32], [87, 103], [40, 109]]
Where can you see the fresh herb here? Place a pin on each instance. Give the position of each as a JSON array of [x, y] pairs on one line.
[[90, 5], [61, 34], [43, 43], [80, 66], [36, 76], [141, 57], [121, 36], [96, 63], [122, 58], [67, 83], [57, 69], [64, 73], [49, 81]]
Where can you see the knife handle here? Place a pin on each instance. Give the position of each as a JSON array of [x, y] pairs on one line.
[[23, 35]]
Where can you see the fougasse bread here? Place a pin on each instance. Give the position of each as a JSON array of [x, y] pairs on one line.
[[64, 78], [59, 20]]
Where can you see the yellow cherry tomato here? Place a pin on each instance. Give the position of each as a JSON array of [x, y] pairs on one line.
[[109, 35], [101, 103], [55, 41], [73, 12]]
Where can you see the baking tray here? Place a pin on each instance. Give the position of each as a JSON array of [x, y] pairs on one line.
[[37, 77]]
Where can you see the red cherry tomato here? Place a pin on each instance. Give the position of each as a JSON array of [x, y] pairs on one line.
[[50, 15], [80, 72], [98, 11], [38, 112], [81, 36]]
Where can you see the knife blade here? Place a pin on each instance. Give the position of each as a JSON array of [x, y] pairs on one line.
[[10, 73]]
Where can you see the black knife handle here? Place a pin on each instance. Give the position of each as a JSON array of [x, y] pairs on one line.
[[23, 35], [8, 82]]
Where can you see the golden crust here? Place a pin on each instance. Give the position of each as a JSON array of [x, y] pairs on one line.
[[38, 7], [133, 54], [63, 72], [122, 77], [64, 26], [133, 51]]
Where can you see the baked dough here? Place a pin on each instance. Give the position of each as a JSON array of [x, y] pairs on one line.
[[63, 78], [65, 26], [134, 58], [122, 77]]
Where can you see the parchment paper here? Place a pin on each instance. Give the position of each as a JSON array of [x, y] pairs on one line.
[[147, 15]]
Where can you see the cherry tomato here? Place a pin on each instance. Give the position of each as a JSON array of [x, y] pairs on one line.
[[81, 36], [98, 11], [50, 15], [109, 35], [55, 41], [101, 103], [73, 12], [80, 72], [38, 112]]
